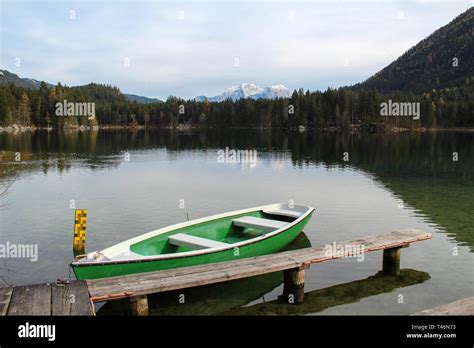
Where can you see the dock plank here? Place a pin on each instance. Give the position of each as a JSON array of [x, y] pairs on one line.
[[158, 281], [5, 296], [71, 299], [202, 268], [461, 307], [31, 300]]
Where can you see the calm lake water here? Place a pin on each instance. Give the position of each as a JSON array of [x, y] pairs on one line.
[[390, 181]]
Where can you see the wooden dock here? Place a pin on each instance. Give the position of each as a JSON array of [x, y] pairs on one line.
[[70, 298], [52, 299]]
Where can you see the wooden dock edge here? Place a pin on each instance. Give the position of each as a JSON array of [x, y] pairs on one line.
[[463, 307], [58, 299]]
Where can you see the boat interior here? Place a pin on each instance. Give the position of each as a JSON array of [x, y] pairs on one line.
[[215, 233]]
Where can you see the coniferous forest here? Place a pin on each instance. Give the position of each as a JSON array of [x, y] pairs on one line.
[[448, 107]]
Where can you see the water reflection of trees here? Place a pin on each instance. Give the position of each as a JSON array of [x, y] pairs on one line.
[[422, 154], [406, 163], [5, 186]]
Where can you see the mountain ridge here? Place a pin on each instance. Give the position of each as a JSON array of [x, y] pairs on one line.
[[141, 99], [443, 59], [7, 77]]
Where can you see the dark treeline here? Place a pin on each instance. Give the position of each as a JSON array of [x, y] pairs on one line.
[[450, 107]]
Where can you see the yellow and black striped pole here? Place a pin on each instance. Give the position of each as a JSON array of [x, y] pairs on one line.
[[79, 243]]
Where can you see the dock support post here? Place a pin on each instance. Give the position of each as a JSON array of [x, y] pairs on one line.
[[293, 285], [391, 261], [139, 305]]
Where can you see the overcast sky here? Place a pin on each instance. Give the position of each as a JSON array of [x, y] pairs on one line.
[[190, 48]]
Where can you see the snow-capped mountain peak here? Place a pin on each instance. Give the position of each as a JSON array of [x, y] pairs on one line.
[[244, 90], [276, 91], [249, 90]]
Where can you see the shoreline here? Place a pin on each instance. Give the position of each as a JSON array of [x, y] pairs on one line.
[[302, 129]]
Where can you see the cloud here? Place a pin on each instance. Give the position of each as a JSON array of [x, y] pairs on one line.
[[189, 48]]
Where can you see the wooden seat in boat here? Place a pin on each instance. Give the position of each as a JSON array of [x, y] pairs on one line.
[[284, 212], [193, 242], [259, 223]]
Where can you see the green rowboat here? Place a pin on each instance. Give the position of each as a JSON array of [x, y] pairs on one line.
[[223, 237]]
